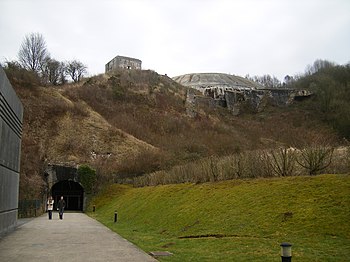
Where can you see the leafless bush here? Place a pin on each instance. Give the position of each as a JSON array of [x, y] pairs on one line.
[[146, 161], [69, 144], [79, 109], [251, 164], [283, 161], [315, 158], [347, 159], [211, 169], [56, 107], [340, 161], [21, 77]]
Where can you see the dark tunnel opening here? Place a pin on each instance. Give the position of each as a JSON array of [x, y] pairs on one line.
[[72, 192]]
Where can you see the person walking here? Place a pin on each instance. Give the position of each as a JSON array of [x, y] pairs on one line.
[[60, 207], [50, 202]]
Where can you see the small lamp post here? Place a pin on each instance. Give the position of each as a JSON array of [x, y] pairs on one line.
[[286, 252], [115, 216]]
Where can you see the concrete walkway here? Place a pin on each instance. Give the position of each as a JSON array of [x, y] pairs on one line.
[[75, 238]]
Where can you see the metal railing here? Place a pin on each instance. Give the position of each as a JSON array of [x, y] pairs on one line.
[[29, 208]]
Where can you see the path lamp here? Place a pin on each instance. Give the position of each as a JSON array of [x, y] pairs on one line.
[[286, 252], [115, 216]]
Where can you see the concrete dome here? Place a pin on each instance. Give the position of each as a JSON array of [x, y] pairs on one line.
[[210, 80]]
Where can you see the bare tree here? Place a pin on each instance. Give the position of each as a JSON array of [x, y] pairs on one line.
[[53, 71], [76, 70], [318, 65], [33, 52], [49, 68], [266, 80], [315, 158]]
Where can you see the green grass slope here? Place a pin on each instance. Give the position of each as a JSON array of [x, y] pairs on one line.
[[239, 220]]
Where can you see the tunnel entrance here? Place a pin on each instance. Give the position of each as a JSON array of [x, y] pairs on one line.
[[72, 192]]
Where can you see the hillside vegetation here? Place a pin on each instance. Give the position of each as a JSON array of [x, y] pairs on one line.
[[132, 122], [238, 220], [331, 85]]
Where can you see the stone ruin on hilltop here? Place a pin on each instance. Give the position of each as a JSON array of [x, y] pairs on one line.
[[123, 62]]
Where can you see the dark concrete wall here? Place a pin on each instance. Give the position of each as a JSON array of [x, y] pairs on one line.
[[11, 115]]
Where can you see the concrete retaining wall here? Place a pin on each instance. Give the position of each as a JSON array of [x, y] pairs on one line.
[[11, 115]]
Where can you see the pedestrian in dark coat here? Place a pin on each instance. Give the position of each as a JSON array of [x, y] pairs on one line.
[[60, 207]]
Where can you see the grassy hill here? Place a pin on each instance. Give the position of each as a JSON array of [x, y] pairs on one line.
[[238, 220]]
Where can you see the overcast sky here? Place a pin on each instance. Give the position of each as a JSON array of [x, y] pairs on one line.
[[256, 37]]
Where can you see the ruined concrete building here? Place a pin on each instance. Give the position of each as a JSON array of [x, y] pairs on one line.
[[234, 91], [122, 62]]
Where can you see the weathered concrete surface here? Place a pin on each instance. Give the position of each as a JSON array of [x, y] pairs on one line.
[[75, 238], [123, 62], [222, 81], [11, 115], [235, 92]]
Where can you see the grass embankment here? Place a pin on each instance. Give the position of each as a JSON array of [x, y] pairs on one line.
[[238, 220]]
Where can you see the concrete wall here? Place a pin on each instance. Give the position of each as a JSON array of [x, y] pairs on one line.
[[124, 63], [257, 99], [11, 115], [57, 173]]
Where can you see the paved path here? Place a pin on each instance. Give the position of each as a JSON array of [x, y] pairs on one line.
[[75, 238]]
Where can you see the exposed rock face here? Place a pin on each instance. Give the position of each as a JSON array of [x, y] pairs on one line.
[[234, 91]]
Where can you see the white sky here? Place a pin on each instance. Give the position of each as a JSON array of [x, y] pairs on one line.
[[256, 37]]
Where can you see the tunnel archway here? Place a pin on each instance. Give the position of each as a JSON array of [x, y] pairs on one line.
[[72, 192]]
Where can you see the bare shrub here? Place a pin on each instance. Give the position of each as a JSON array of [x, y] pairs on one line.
[[210, 169], [145, 161], [69, 144], [21, 77], [315, 158], [31, 183], [227, 168], [105, 171], [79, 109], [283, 161], [340, 161], [56, 107], [347, 158], [250, 164]]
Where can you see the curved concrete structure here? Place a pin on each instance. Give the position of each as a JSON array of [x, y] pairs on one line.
[[11, 115], [209, 80]]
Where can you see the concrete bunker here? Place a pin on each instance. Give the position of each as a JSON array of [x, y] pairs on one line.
[[64, 181]]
